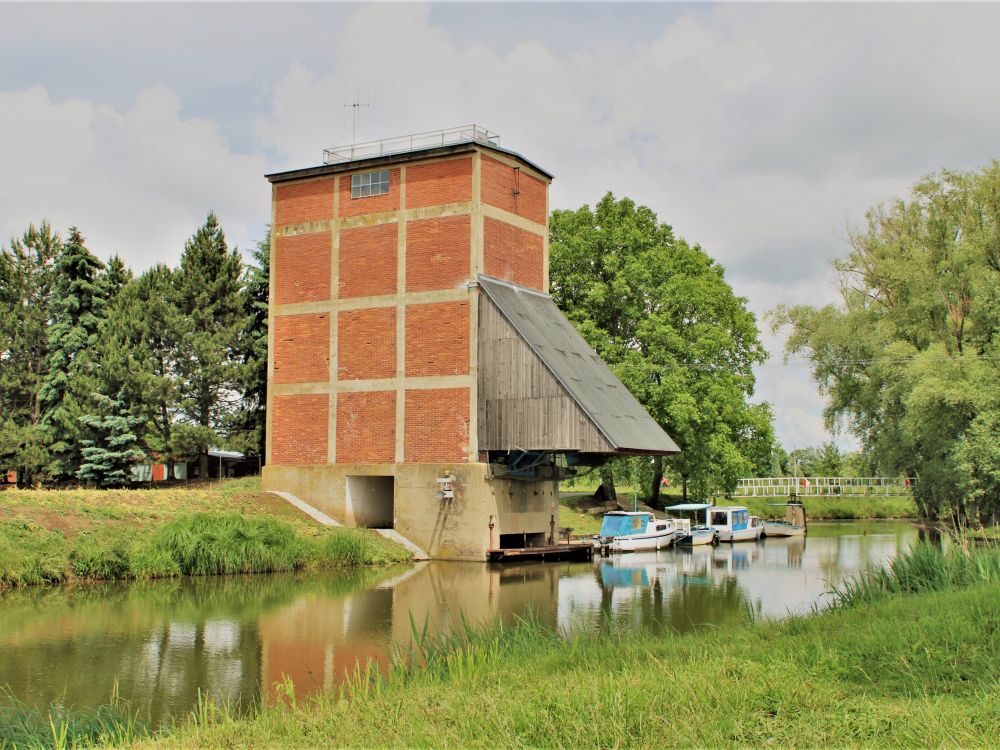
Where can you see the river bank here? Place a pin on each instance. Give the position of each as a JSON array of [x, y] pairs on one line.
[[57, 536], [907, 658]]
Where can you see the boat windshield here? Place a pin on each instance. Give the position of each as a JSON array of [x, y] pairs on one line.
[[622, 525]]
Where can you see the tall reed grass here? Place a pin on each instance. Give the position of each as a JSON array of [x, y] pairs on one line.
[[192, 544], [924, 568], [60, 727]]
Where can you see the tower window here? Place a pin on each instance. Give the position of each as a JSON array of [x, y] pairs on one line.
[[370, 183]]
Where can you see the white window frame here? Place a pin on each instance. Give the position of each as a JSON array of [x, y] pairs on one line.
[[369, 184]]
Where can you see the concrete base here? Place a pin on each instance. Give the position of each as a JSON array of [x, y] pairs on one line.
[[448, 529]]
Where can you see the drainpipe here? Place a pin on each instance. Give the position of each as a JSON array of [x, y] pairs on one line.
[[492, 524]]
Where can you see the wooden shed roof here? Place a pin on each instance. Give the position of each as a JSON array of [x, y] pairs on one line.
[[587, 379]]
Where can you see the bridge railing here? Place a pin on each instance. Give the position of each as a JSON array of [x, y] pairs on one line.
[[819, 486]]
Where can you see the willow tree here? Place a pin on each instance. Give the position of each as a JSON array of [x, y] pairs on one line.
[[660, 312], [909, 360]]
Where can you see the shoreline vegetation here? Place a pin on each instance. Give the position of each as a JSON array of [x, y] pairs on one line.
[[60, 536], [905, 657]]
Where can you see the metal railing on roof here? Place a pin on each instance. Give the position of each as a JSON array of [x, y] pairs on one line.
[[413, 142]]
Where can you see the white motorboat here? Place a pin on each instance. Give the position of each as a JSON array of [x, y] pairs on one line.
[[794, 523], [690, 535], [783, 528], [734, 523], [698, 536], [635, 531]]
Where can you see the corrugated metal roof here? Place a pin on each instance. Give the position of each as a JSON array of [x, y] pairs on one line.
[[584, 375]]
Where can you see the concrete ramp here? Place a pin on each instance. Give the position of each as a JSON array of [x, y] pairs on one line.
[[321, 517], [418, 554], [314, 513]]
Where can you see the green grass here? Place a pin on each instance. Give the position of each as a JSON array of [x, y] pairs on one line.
[[837, 508], [229, 527], [911, 671]]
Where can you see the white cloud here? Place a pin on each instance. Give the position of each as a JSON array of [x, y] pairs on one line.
[[759, 131], [137, 182]]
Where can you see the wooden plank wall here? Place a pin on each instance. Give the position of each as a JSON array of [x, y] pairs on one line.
[[521, 404]]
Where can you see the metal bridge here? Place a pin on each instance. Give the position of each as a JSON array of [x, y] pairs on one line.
[[819, 486]]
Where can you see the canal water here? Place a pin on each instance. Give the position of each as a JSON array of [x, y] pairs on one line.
[[233, 638]]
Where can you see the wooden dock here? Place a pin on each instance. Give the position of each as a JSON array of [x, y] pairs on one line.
[[573, 551]]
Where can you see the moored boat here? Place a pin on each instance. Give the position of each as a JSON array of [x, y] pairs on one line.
[[783, 528], [734, 523], [690, 535], [698, 536], [794, 523], [630, 531]]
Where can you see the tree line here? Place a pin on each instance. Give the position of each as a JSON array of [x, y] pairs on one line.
[[909, 359], [100, 368]]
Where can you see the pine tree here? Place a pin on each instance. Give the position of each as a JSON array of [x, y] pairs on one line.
[[138, 350], [108, 455], [27, 273], [67, 392], [209, 284]]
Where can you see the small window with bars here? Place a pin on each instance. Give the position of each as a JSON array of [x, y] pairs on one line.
[[370, 183]]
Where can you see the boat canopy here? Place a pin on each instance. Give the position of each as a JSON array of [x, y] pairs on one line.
[[689, 506]]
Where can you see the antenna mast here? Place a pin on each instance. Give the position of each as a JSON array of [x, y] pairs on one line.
[[355, 106]]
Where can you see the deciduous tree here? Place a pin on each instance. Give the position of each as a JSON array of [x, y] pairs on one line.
[[910, 359], [661, 313]]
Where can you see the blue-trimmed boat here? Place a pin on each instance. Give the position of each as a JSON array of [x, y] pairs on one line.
[[635, 531]]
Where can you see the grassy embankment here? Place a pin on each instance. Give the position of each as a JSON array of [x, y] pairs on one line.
[[575, 502], [907, 659], [52, 536]]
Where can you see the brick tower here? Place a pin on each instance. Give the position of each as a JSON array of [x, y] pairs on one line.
[[381, 264]]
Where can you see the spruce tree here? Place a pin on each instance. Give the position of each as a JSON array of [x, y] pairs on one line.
[[115, 277], [113, 446], [67, 392], [209, 369]]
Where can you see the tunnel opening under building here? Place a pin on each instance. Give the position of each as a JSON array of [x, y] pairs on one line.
[[523, 540], [372, 500]]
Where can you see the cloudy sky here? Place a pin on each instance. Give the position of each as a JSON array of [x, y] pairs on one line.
[[759, 131]]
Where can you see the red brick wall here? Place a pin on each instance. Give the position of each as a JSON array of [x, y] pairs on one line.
[[302, 348], [438, 183], [513, 254], [357, 206], [302, 268], [437, 339], [366, 427], [499, 182], [368, 260], [437, 252], [366, 343], [299, 429], [437, 425], [304, 201]]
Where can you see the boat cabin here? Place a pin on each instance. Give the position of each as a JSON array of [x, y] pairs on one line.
[[731, 518]]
